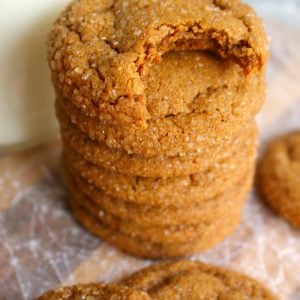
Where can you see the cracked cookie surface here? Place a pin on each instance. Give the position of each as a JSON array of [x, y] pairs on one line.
[[136, 165], [100, 50], [195, 100], [196, 280]]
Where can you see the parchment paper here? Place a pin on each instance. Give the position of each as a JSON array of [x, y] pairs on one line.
[[42, 247]]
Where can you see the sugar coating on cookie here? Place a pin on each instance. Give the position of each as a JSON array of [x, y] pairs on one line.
[[151, 90], [279, 176], [137, 165], [178, 191], [196, 280], [154, 224], [153, 250], [166, 235], [100, 50], [95, 291], [152, 215], [195, 100]]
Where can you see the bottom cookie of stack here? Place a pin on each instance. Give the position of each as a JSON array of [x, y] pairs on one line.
[[180, 238]]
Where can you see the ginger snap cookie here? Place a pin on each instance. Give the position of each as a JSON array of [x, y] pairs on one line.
[[100, 51], [155, 215], [95, 291], [156, 102], [172, 280], [186, 115], [178, 191], [137, 165], [159, 232], [146, 249], [196, 280], [279, 176]]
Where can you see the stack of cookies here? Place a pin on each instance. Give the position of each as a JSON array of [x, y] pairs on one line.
[[156, 101]]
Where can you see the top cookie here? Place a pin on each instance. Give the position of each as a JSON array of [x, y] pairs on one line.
[[95, 291], [195, 280], [279, 176], [100, 50], [196, 100]]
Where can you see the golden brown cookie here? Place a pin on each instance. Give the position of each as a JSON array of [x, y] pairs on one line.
[[146, 249], [196, 280], [100, 50], [95, 291], [191, 107], [159, 232], [154, 89], [178, 191], [159, 166], [279, 176], [167, 234], [153, 215]]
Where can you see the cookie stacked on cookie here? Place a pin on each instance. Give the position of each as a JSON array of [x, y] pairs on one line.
[[156, 102]]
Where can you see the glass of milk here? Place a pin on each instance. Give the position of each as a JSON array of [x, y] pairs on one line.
[[26, 95]]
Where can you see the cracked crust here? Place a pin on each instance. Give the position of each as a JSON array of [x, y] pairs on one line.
[[178, 191], [196, 280], [136, 165], [101, 50], [169, 226], [187, 115], [148, 215], [279, 177], [95, 291]]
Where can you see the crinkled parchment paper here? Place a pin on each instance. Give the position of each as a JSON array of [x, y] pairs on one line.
[[42, 247]]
